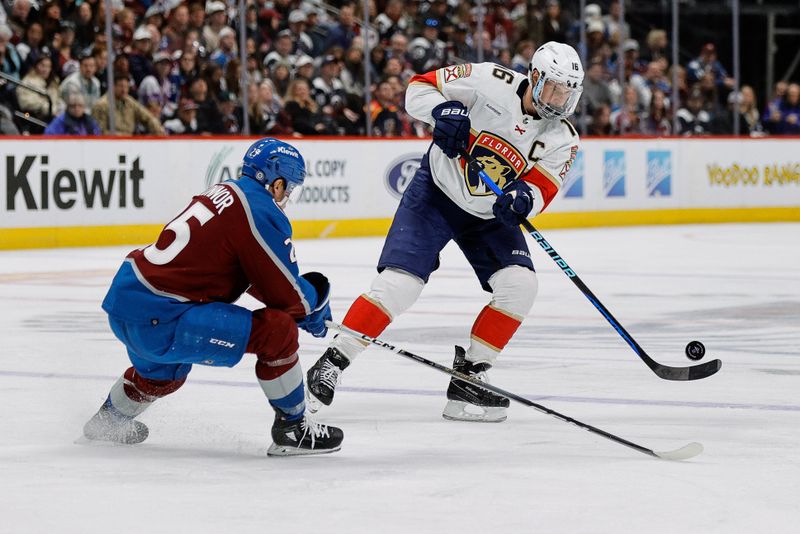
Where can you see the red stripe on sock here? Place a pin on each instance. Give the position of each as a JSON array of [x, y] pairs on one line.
[[140, 389], [366, 317], [494, 327]]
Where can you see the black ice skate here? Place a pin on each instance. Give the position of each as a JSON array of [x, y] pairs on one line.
[[303, 436], [322, 379], [110, 425], [467, 402]]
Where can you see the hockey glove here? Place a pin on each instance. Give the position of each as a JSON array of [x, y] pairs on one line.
[[451, 130], [514, 204], [314, 322]]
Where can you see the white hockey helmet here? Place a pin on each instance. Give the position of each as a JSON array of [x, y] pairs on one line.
[[560, 83]]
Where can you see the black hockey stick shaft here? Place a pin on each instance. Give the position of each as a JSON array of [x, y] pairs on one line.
[[666, 372], [683, 453]]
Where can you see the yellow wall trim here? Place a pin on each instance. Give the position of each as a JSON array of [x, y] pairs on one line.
[[93, 236]]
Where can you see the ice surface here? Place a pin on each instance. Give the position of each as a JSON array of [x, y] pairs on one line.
[[402, 467]]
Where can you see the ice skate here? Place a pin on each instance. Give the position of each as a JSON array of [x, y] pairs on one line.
[[303, 437], [322, 379], [110, 425], [467, 402]]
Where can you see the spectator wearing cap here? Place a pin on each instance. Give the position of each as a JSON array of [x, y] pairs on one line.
[[267, 116], [281, 52], [630, 58], [130, 117], [63, 49], [707, 62], [343, 33], [302, 43], [155, 14], [185, 121], [427, 52], [327, 89], [177, 27], [83, 81], [304, 111], [216, 19], [226, 50], [595, 37], [316, 29], [231, 121], [40, 77], [392, 20], [139, 58], [73, 120], [157, 92], [692, 118], [209, 120]]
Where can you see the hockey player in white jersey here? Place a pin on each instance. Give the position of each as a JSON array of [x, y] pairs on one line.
[[516, 127]]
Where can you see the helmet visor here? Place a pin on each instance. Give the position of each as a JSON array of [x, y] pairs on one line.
[[555, 99]]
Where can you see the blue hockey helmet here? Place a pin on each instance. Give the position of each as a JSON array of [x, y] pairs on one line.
[[269, 159]]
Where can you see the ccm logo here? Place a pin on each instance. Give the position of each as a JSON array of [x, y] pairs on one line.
[[221, 343], [455, 111]]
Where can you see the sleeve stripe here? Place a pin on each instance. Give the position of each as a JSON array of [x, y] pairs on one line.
[[429, 78], [275, 259], [548, 185]]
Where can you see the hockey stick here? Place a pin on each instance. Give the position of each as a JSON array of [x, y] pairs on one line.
[[666, 372], [684, 453]]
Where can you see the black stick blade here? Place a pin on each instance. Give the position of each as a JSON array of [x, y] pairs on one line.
[[695, 372]]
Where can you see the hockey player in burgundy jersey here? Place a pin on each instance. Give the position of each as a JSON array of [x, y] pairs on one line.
[[516, 127], [171, 303]]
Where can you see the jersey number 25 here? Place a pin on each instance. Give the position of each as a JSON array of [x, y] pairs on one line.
[[182, 230]]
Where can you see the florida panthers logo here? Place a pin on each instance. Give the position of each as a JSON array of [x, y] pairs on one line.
[[500, 159]]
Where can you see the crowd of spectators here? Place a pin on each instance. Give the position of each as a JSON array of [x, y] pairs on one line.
[[177, 68]]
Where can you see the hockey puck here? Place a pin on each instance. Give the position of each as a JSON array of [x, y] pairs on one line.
[[695, 350]]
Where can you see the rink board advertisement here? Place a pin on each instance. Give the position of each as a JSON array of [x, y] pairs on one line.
[[113, 191]]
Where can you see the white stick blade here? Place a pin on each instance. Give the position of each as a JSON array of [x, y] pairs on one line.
[[684, 453]]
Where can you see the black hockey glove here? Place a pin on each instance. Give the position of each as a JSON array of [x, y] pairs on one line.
[[514, 204], [314, 322], [451, 130]]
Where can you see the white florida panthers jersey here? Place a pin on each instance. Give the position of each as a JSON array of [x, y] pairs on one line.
[[510, 144]]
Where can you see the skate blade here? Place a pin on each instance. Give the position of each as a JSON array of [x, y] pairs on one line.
[[462, 411], [284, 450]]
